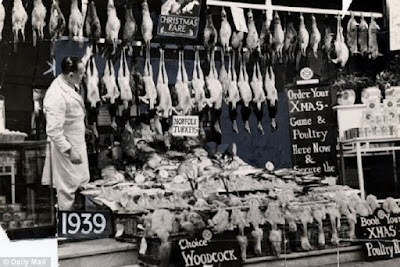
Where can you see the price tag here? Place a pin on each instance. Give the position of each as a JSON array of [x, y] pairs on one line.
[[84, 224]]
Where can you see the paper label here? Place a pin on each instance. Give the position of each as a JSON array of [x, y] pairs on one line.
[[143, 246], [185, 125], [239, 19]]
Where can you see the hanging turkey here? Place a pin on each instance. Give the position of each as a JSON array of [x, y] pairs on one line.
[[93, 93], [304, 39], [112, 93], [148, 82], [232, 94], [363, 36], [164, 108], [279, 37], [38, 16], [315, 36], [215, 89], [2, 17], [373, 48], [342, 51], [290, 42], [92, 24], [272, 96], [147, 25], [210, 36], [113, 25], [266, 41], [182, 89], [245, 93], [252, 39], [225, 32], [124, 82], [258, 96], [19, 18], [75, 23], [56, 24], [198, 84], [352, 27], [130, 28]]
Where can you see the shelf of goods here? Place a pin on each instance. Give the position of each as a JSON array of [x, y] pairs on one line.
[[177, 195]]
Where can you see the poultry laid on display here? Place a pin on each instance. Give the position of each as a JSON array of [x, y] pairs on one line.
[[124, 82], [147, 24], [252, 39], [290, 42], [352, 27], [210, 36], [274, 216], [319, 214], [256, 218], [305, 217], [232, 96], [272, 96], [391, 206], [258, 95], [238, 219], [181, 88], [108, 81], [92, 24], [279, 37], [113, 25], [75, 23], [220, 221], [347, 210], [372, 203], [363, 36], [373, 48], [315, 36], [266, 41], [342, 51], [225, 32], [215, 88], [164, 108], [328, 37], [245, 93], [149, 86], [304, 36], [2, 17], [19, 18], [130, 28], [38, 16], [334, 217], [56, 24]]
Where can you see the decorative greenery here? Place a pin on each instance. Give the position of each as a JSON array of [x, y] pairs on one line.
[[353, 81], [387, 78]]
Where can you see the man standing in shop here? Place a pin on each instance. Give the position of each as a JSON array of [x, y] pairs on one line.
[[65, 126]]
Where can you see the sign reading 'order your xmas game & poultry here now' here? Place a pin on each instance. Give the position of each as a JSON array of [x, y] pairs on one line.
[[380, 234], [313, 134], [179, 18]]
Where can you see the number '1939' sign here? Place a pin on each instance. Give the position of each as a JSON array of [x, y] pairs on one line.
[[84, 224]]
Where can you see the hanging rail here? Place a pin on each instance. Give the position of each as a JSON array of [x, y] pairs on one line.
[[292, 9]]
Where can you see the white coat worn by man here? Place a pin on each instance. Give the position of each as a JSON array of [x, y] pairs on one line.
[[65, 118]]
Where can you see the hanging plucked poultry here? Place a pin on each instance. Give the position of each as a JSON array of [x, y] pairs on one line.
[[223, 75], [290, 42], [150, 96], [363, 36], [328, 37], [304, 36], [92, 83], [210, 36], [352, 27], [373, 48], [198, 83], [130, 28], [109, 83], [245, 93], [225, 32], [342, 51], [56, 23], [266, 41], [232, 94], [272, 96], [258, 95], [92, 24], [215, 89], [38, 16], [19, 18], [147, 24], [182, 90], [75, 22], [279, 37], [164, 108], [124, 81], [252, 39], [2, 17], [113, 25], [315, 36]]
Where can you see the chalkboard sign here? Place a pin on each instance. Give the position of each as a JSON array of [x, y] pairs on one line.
[[208, 249], [380, 234], [312, 130]]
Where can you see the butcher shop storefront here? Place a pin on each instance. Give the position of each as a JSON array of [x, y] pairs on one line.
[[201, 132]]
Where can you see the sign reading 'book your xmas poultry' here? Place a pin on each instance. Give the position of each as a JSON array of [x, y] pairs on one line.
[[380, 233], [311, 126], [179, 18], [209, 250]]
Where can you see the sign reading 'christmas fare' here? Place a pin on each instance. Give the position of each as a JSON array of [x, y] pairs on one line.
[[380, 234], [179, 18]]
